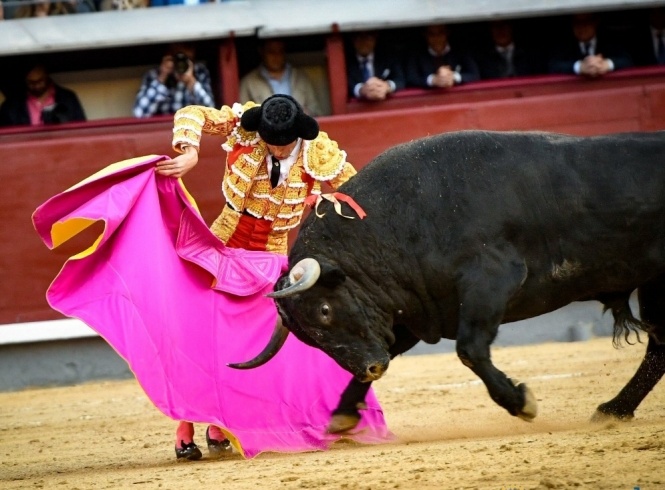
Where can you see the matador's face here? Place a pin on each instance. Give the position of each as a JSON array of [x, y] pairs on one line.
[[281, 152]]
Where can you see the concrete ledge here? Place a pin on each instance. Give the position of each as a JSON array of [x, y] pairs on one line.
[[55, 353], [20, 333], [67, 352]]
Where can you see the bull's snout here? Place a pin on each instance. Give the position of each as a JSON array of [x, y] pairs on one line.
[[375, 370]]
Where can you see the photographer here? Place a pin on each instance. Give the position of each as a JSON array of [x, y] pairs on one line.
[[40, 102], [177, 82]]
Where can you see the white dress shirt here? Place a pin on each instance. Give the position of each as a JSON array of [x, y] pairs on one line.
[[286, 164]]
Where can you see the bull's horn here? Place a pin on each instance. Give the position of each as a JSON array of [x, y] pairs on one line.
[[303, 275], [276, 342]]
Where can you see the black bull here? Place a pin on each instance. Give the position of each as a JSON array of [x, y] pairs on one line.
[[469, 230]]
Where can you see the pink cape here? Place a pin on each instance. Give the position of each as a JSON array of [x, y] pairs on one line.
[[178, 305]]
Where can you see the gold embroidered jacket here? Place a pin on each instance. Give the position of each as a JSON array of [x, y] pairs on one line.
[[246, 183]]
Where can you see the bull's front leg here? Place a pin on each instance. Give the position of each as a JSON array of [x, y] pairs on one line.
[[473, 349], [347, 414], [485, 290]]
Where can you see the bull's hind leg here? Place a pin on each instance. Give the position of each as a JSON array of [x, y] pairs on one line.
[[652, 311], [347, 414], [485, 291]]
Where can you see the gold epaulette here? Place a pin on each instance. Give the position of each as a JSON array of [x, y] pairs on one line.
[[323, 158], [190, 122], [238, 135]]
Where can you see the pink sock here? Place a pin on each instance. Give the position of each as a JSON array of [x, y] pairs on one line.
[[215, 433], [184, 434]]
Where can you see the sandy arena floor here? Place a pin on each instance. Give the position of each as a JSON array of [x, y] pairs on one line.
[[450, 434]]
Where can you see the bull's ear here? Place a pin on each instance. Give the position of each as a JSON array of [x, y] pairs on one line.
[[331, 276]]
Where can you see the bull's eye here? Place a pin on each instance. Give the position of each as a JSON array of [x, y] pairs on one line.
[[325, 309]]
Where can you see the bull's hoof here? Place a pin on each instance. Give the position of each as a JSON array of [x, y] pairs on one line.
[[603, 414], [343, 422], [530, 408]]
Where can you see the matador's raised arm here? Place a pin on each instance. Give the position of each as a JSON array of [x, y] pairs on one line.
[[190, 122]]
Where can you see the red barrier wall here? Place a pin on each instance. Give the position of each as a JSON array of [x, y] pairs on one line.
[[39, 164]]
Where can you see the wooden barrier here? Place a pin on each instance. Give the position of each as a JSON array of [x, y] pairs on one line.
[[38, 164]]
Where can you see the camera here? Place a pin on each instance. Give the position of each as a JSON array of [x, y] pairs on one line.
[[180, 63]]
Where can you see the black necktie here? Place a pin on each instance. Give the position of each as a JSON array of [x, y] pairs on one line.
[[274, 173], [587, 49], [364, 66], [509, 68]]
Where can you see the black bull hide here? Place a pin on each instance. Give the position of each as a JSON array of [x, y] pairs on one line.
[[466, 231]]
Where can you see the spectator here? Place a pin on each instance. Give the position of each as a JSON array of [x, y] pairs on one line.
[[587, 52], [275, 76], [439, 65], [372, 74], [41, 102], [123, 4], [650, 45], [503, 57], [85, 6], [159, 3], [43, 8], [179, 81]]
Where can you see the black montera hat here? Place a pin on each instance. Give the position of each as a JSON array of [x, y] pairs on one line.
[[280, 120]]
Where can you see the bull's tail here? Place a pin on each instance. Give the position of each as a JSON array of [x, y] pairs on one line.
[[625, 322]]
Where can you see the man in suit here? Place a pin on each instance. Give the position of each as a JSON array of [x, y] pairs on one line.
[[371, 73], [587, 52], [438, 65], [503, 57]]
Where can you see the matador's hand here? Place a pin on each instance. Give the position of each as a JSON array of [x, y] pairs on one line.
[[180, 165]]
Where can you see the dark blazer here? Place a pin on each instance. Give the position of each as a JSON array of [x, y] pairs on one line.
[[14, 110], [422, 64], [564, 55], [386, 67], [644, 53], [492, 64]]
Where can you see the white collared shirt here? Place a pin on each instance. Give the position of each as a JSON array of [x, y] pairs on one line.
[[367, 61], [592, 51], [655, 34], [592, 47], [286, 164], [442, 53], [457, 76], [506, 50]]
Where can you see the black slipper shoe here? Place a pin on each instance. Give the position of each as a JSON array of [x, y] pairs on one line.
[[188, 451], [217, 448]]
